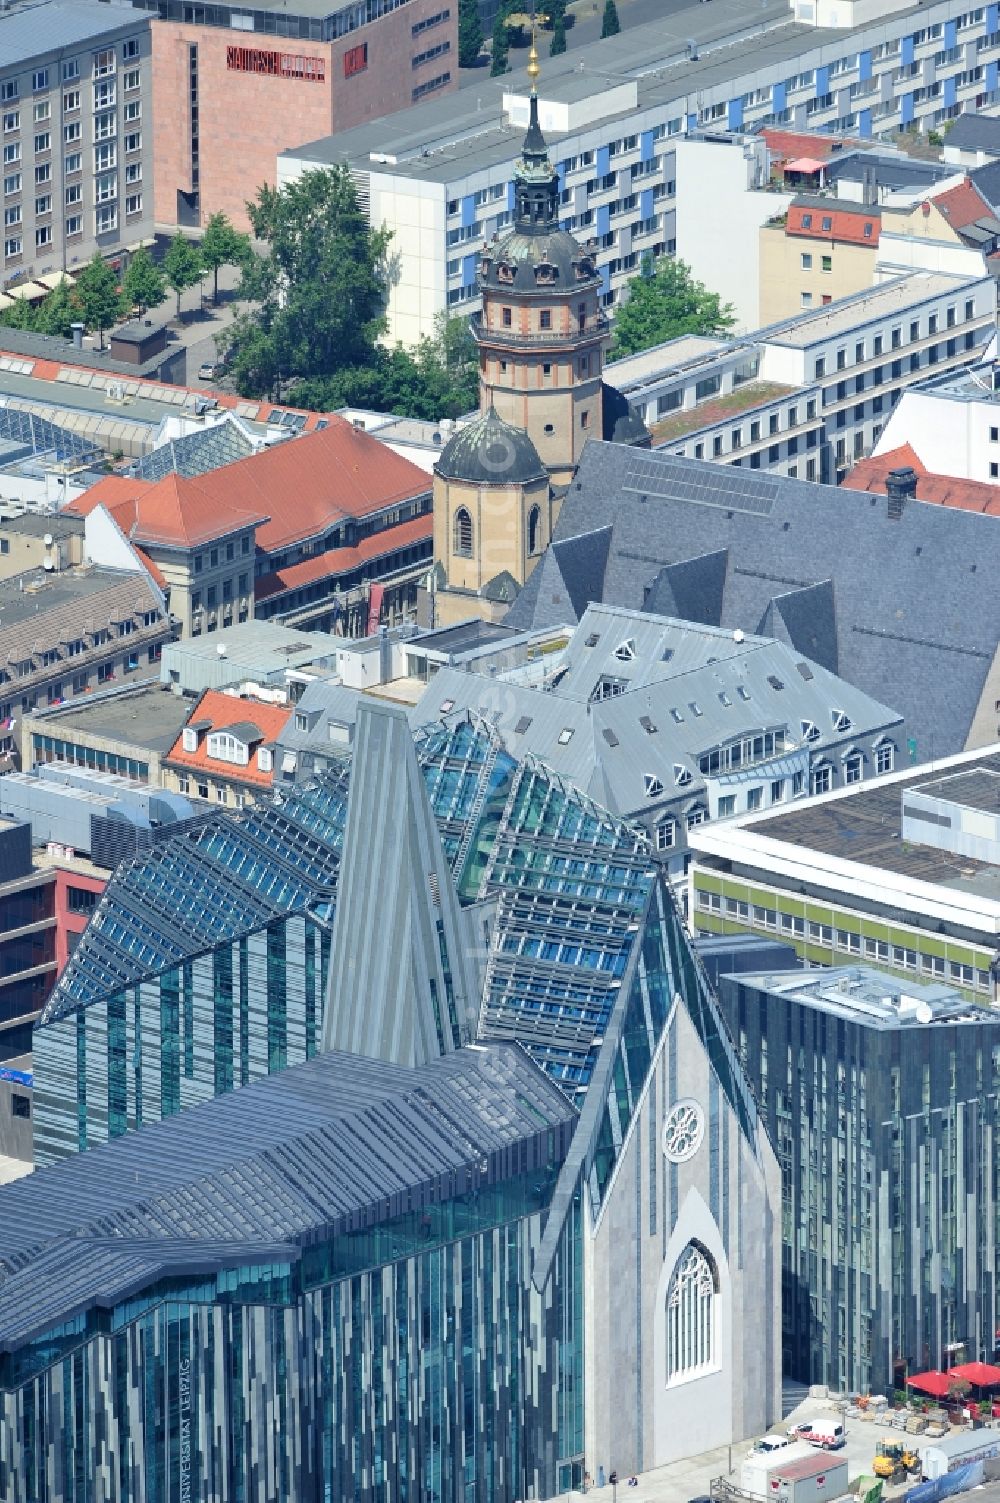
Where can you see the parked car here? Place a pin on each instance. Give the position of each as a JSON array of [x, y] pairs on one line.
[[208, 371]]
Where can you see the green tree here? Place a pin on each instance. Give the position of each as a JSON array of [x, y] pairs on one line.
[[439, 378], [20, 315], [664, 300], [320, 288], [182, 266], [470, 33], [610, 25], [97, 295], [143, 285], [558, 43], [58, 312], [498, 64], [223, 245]]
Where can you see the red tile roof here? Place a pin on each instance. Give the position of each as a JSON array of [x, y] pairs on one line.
[[847, 221], [941, 490], [963, 205], [222, 710], [295, 489], [786, 144], [341, 560]]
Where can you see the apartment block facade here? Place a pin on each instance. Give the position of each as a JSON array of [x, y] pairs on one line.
[[808, 397], [75, 135], [438, 177]]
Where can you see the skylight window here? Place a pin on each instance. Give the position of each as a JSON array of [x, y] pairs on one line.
[[647, 725], [625, 651], [676, 716], [592, 640], [775, 681], [652, 785], [695, 707], [743, 692], [565, 735], [448, 704], [805, 671], [522, 725], [610, 736], [724, 699]]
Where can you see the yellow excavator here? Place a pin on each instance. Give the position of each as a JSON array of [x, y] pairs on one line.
[[894, 1462]]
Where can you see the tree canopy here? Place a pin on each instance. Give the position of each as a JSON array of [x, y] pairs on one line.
[[182, 265], [223, 245], [97, 295], [610, 24], [143, 284], [470, 33], [320, 289], [440, 378], [664, 300]]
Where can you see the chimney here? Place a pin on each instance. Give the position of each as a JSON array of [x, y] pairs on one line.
[[78, 335], [900, 486]]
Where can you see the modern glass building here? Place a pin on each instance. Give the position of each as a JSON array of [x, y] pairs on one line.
[[315, 1288], [435, 900], [883, 1102]]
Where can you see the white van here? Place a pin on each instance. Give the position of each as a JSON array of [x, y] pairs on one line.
[[826, 1432], [772, 1443]]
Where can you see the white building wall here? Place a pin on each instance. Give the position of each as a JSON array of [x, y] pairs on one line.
[[900, 253], [950, 436], [720, 209]]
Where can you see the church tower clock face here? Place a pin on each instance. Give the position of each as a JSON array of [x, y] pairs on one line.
[[683, 1130]]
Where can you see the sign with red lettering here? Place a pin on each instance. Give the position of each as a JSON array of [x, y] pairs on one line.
[[356, 60], [275, 64]]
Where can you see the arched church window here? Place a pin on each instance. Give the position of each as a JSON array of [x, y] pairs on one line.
[[692, 1316], [462, 542], [534, 530]]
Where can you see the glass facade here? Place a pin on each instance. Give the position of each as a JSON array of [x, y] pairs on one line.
[[889, 1186]]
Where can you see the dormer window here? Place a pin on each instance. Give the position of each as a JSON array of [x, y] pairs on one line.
[[652, 785], [546, 273], [223, 746], [265, 760], [625, 651], [810, 732], [484, 266], [682, 775], [505, 271], [841, 720], [584, 269], [189, 740]]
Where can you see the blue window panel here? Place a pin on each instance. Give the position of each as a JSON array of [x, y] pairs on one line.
[[735, 113], [906, 111], [603, 161], [646, 203], [468, 211], [510, 198], [951, 34], [646, 146], [906, 52], [865, 125], [561, 175], [992, 76], [992, 19], [864, 66], [469, 270], [950, 92], [692, 122], [778, 97], [604, 219], [605, 278], [822, 82]]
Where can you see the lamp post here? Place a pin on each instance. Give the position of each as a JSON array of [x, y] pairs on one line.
[[613, 1479]]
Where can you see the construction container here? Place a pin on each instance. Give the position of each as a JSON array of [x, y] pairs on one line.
[[759, 1466], [943, 1456], [809, 1479]]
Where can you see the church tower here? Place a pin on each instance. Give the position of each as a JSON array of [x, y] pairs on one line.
[[542, 333]]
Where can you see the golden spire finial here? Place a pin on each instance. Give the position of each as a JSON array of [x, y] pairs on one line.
[[521, 20]]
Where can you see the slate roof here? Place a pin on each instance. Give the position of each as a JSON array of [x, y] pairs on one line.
[[336, 1144], [691, 689], [906, 612], [975, 133], [489, 451]]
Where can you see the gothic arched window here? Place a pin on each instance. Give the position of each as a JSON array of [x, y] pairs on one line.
[[692, 1316], [462, 541], [534, 530]]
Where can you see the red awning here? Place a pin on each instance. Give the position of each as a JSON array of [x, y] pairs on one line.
[[804, 164], [935, 1383], [980, 1374]]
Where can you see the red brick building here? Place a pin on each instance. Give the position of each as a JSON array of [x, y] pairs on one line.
[[227, 100]]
